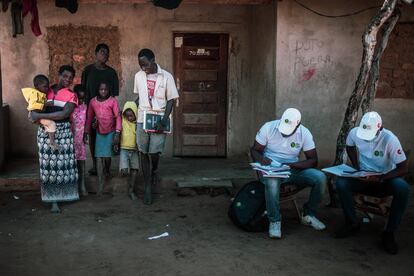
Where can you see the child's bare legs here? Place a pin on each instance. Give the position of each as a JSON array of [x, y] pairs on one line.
[[92, 141], [123, 173], [100, 172], [81, 172], [132, 179], [107, 166], [155, 159], [55, 207], [146, 171], [131, 185]]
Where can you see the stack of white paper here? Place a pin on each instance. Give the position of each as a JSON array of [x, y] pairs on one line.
[[271, 171], [347, 171]]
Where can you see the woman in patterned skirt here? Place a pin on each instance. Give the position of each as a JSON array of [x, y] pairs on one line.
[[58, 171]]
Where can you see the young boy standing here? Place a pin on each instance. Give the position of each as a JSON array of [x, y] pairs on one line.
[[128, 161], [36, 99]]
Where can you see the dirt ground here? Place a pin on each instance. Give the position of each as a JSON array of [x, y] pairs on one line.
[[108, 236]]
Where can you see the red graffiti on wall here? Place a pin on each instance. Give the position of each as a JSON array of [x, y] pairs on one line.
[[308, 74]]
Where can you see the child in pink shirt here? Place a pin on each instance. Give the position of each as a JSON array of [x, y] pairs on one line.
[[104, 108], [78, 120]]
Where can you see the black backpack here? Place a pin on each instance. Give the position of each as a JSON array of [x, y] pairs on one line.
[[248, 209]]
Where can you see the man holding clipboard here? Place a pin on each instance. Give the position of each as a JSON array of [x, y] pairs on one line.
[[371, 147], [156, 94], [281, 142]]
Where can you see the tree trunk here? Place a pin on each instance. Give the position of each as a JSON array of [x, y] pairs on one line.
[[367, 103], [369, 42]]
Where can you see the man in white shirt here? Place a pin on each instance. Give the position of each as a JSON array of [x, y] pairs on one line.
[[157, 93], [281, 142], [371, 147]]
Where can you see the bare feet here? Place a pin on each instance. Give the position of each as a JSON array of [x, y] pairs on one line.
[[123, 173]]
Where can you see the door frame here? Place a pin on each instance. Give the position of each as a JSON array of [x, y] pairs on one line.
[[226, 96]]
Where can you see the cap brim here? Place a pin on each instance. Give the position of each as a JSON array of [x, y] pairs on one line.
[[366, 134], [286, 129]]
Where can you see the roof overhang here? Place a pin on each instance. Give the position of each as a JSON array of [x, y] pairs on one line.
[[212, 2]]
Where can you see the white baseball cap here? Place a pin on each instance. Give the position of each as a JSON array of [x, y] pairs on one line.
[[370, 123], [289, 121]]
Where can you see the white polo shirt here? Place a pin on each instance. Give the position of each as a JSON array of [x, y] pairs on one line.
[[284, 149], [165, 90], [380, 154]]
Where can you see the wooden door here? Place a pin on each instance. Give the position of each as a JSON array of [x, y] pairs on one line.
[[200, 65]]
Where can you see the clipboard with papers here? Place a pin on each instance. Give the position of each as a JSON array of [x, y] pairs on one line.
[[282, 171], [151, 119], [344, 170]]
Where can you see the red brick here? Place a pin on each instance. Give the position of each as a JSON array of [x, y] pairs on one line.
[[410, 75], [385, 73], [409, 55], [405, 30], [384, 90], [397, 64], [386, 80], [399, 93], [408, 66], [389, 64], [390, 55], [399, 74], [410, 89], [397, 83]]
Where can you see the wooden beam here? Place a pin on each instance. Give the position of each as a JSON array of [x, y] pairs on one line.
[[229, 2], [212, 2]]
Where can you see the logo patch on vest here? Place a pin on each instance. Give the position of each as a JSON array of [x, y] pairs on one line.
[[294, 145], [378, 153]]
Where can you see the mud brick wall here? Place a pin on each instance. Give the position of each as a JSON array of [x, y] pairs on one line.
[[397, 64], [76, 46]]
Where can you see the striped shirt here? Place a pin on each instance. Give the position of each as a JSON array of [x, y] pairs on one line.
[[59, 100]]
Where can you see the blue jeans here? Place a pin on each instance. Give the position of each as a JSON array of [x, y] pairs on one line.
[[397, 187], [309, 177]]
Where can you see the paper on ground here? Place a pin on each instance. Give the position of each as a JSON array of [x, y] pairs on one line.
[[165, 234]]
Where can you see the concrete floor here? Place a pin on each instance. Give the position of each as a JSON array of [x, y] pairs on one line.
[[108, 236], [23, 174]]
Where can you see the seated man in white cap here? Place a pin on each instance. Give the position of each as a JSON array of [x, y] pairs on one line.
[[371, 147], [281, 142]]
